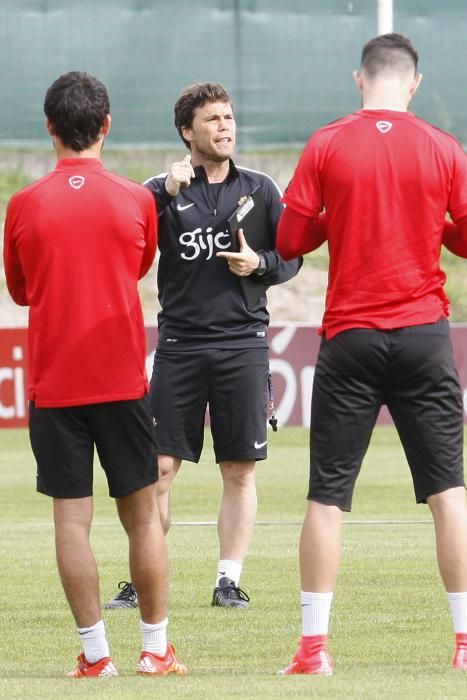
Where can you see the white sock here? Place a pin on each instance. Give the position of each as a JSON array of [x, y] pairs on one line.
[[316, 609], [227, 568], [94, 641], [155, 637], [458, 605]]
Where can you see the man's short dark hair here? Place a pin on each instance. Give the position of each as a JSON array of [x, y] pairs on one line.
[[193, 96], [388, 53], [76, 104]]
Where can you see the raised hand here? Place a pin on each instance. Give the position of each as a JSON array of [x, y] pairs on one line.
[[180, 175]]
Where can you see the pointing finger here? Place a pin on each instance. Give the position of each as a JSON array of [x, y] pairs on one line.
[[228, 256]]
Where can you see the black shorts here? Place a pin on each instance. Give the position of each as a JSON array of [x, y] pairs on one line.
[[234, 385], [412, 371], [63, 442]]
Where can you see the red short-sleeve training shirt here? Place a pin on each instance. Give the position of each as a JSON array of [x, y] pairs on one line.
[[76, 243], [386, 180]]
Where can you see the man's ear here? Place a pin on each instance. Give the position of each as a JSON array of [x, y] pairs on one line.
[[106, 124], [415, 84], [49, 126], [187, 133], [357, 76]]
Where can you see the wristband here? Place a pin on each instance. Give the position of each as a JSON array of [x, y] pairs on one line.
[[262, 266]]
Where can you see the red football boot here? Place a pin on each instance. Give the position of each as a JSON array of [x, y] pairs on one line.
[[100, 669], [312, 657], [460, 657], [152, 665]]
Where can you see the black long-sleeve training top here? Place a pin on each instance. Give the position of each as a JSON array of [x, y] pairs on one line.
[[201, 300]]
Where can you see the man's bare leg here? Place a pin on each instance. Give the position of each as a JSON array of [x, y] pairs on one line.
[[168, 470], [76, 563], [80, 579], [139, 515], [320, 551], [235, 524], [450, 517], [238, 508], [320, 547]]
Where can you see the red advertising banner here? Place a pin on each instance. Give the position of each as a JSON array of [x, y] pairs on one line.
[[293, 351], [13, 382]]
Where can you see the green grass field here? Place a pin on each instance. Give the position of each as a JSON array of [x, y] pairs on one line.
[[391, 633]]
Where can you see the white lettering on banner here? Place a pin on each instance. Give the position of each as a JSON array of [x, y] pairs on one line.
[[279, 345], [307, 376], [281, 340], [15, 375], [195, 242], [285, 407], [20, 402], [287, 403], [6, 375]]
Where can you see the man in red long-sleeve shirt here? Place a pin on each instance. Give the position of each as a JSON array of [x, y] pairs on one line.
[[76, 242], [386, 180]]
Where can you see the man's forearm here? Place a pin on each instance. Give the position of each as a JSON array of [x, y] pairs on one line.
[[455, 237], [298, 234]]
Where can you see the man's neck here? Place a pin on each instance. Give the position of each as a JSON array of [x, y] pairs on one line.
[[384, 105], [215, 171], [386, 95], [62, 151]]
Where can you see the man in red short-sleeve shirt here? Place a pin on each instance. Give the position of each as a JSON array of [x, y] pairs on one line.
[[76, 242], [386, 180]]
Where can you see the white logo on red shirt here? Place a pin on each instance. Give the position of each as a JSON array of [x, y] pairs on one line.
[[76, 181], [384, 127]]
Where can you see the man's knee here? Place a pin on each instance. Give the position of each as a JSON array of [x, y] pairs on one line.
[[452, 499], [167, 468], [138, 509], [240, 474], [73, 513]]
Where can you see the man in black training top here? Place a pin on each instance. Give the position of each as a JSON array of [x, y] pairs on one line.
[[213, 348]]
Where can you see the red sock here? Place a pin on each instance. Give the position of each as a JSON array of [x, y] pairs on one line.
[[461, 640]]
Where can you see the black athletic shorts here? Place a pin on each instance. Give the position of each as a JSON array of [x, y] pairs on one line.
[[412, 371], [233, 383], [63, 442]]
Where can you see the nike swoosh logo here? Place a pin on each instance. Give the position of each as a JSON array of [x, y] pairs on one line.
[[260, 444], [187, 206]]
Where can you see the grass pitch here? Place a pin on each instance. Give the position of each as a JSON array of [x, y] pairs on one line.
[[391, 633]]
